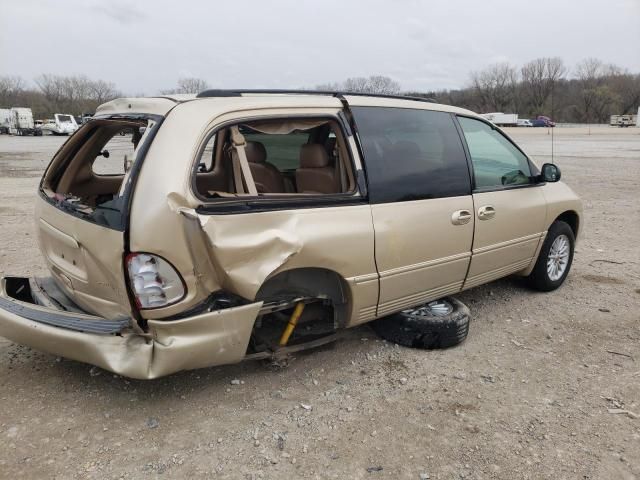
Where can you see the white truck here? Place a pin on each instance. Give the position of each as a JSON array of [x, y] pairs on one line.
[[22, 122], [5, 120], [502, 119], [623, 120]]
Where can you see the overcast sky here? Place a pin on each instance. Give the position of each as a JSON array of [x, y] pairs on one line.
[[145, 46]]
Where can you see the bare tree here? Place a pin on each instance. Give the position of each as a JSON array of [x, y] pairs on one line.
[[357, 85], [591, 72], [188, 85], [595, 98], [496, 86], [373, 84], [10, 88], [539, 77], [627, 87], [74, 94], [327, 87]]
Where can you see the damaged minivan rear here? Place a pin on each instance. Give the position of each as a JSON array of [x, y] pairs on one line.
[[89, 309]]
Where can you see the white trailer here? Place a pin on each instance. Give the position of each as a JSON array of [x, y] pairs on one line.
[[502, 119], [22, 122], [5, 120], [61, 124], [623, 120]]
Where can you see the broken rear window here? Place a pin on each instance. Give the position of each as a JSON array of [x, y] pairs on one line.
[[87, 176]]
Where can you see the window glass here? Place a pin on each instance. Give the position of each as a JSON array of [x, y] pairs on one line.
[[411, 154], [496, 161], [283, 151]]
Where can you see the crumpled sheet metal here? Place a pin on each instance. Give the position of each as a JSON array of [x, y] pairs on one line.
[[244, 259], [209, 339]]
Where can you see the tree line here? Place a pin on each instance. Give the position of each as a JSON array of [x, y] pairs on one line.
[[589, 93], [56, 94]]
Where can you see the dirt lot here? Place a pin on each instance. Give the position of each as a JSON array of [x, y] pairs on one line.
[[526, 396]]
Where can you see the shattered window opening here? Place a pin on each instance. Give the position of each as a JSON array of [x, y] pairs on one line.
[[87, 177], [285, 157]]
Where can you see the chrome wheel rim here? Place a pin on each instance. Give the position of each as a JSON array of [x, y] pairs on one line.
[[558, 258], [437, 308]]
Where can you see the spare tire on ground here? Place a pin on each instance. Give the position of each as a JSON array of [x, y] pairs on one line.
[[439, 324]]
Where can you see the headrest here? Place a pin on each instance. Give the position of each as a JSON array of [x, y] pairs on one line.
[[313, 155], [256, 153]]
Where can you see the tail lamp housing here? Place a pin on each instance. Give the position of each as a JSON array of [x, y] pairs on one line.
[[154, 282]]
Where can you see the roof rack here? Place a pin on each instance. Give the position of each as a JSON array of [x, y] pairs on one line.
[[333, 93]]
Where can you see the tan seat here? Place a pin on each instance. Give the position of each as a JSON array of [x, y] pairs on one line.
[[266, 176], [316, 174]]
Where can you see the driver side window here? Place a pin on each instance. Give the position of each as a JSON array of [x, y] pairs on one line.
[[496, 161]]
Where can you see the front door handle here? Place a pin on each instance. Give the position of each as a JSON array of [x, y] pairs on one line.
[[460, 217], [486, 212]]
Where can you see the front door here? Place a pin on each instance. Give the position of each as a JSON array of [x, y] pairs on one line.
[[420, 194], [509, 207]]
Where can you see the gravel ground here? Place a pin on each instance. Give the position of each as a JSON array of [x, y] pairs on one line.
[[528, 395]]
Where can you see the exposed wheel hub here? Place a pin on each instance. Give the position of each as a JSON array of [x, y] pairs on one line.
[[437, 308]]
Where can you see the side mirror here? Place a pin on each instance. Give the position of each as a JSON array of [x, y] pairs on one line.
[[550, 173]]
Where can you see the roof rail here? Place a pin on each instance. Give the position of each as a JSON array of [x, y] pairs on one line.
[[333, 93]]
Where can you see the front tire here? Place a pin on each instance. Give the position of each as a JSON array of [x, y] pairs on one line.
[[555, 259]]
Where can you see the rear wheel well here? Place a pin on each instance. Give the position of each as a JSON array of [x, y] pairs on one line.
[[310, 282], [570, 218]]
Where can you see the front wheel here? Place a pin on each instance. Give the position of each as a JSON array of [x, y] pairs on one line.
[[554, 261]]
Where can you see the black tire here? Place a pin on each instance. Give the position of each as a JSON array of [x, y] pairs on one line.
[[426, 331], [539, 278]]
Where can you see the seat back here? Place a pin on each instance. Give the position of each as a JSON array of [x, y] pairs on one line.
[[316, 174], [267, 177]]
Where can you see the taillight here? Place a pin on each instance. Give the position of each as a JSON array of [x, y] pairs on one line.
[[154, 282]]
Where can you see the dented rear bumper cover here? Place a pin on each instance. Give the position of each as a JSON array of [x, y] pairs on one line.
[[204, 340]]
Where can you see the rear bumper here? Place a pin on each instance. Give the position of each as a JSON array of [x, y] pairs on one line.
[[213, 338]]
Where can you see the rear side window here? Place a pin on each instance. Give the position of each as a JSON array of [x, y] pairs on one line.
[[496, 161], [411, 154], [283, 151]]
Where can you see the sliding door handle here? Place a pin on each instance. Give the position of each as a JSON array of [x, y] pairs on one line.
[[486, 212], [460, 217]]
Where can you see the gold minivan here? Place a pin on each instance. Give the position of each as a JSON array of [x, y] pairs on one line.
[[191, 231]]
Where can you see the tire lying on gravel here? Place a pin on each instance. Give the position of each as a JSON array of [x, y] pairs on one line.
[[438, 324]]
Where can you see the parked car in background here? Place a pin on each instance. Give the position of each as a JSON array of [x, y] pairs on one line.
[[524, 122], [85, 117], [220, 222], [542, 121], [61, 124]]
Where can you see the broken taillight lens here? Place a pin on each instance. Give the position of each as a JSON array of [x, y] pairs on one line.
[[153, 281]]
